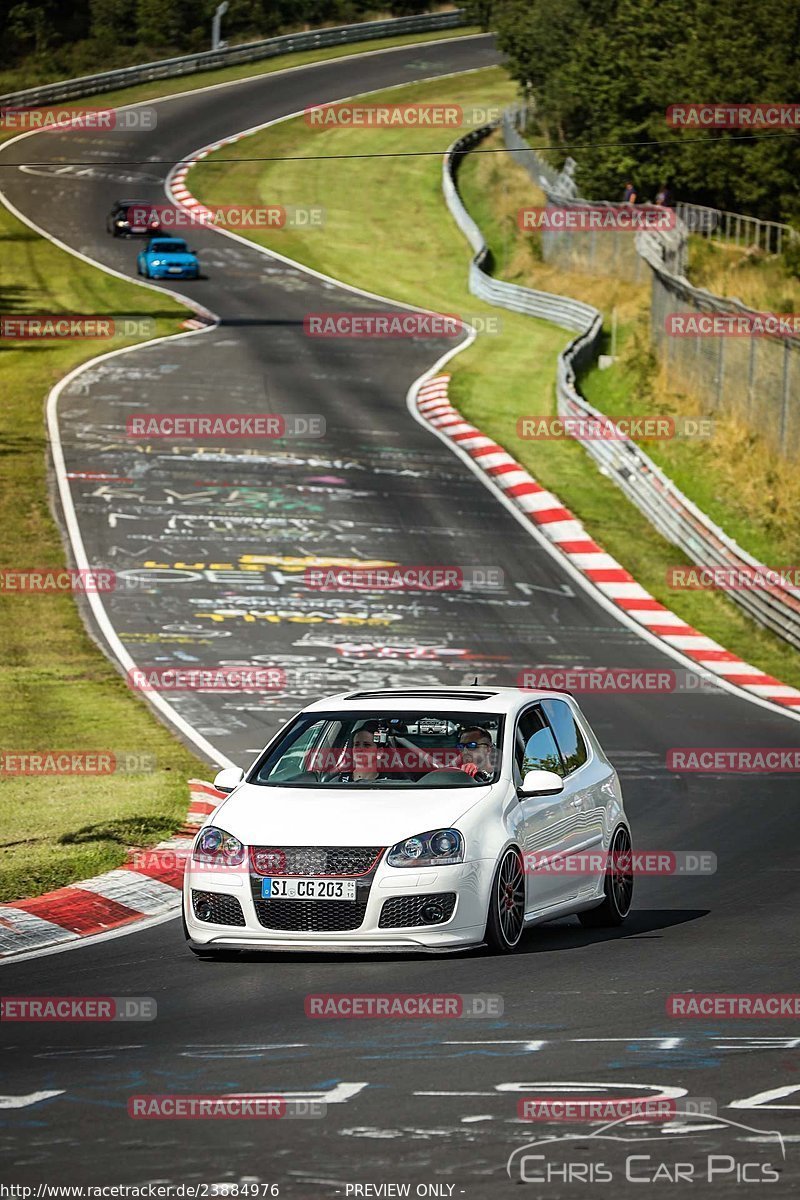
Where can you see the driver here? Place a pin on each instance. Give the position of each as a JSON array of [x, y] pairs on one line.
[[477, 754], [363, 754]]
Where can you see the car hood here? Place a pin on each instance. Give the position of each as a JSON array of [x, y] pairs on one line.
[[284, 816]]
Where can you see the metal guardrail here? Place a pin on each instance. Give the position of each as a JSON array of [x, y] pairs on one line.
[[571, 314], [167, 68], [672, 513], [741, 230]]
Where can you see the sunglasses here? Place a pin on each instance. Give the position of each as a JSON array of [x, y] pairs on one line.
[[471, 745]]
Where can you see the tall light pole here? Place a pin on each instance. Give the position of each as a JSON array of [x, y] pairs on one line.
[[216, 25]]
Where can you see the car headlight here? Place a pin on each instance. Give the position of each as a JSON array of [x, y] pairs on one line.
[[438, 848], [216, 846], [156, 262]]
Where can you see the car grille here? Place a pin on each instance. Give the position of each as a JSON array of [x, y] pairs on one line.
[[314, 860], [402, 911], [312, 916], [222, 910]]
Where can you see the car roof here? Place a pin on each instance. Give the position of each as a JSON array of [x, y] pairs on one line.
[[129, 203], [475, 699]]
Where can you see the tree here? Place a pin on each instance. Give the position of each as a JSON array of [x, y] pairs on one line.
[[601, 76]]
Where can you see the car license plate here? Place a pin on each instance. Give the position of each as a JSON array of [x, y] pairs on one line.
[[175, 270], [308, 889], [138, 229]]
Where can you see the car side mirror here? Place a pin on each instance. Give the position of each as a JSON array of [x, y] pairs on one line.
[[228, 779], [541, 783]]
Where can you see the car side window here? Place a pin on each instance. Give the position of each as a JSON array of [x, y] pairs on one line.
[[535, 747], [568, 735]]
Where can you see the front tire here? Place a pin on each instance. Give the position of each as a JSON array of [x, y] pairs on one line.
[[506, 917], [618, 888]]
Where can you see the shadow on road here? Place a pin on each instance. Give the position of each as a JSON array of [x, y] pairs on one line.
[[566, 934]]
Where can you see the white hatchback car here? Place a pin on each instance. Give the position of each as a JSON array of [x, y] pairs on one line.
[[432, 819]]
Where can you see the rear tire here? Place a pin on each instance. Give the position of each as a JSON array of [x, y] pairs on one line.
[[618, 887], [505, 920]]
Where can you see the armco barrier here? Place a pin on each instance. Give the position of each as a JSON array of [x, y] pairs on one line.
[[675, 516], [188, 64], [571, 314]]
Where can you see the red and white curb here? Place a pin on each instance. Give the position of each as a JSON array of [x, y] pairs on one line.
[[566, 532], [147, 885], [177, 178], [185, 198]]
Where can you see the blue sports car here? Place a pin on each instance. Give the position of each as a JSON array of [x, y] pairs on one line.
[[168, 258]]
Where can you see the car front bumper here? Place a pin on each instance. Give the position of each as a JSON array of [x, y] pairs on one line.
[[165, 273], [468, 882]]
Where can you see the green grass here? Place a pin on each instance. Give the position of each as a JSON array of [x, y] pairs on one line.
[[415, 253], [57, 691], [735, 479], [759, 280]]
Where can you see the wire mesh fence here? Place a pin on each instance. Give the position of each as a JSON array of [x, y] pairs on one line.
[[606, 252], [736, 228], [745, 371]]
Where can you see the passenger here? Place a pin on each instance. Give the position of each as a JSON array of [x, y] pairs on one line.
[[477, 754]]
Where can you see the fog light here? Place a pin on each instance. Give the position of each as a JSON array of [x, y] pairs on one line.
[[432, 912], [202, 910]]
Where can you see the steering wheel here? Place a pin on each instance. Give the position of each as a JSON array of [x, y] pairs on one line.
[[446, 775]]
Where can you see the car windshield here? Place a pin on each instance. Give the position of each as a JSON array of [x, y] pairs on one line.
[[174, 244], [385, 750]]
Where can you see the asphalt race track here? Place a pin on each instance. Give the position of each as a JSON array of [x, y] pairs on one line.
[[212, 535]]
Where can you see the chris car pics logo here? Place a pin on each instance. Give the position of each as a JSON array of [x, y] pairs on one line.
[[702, 1148]]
